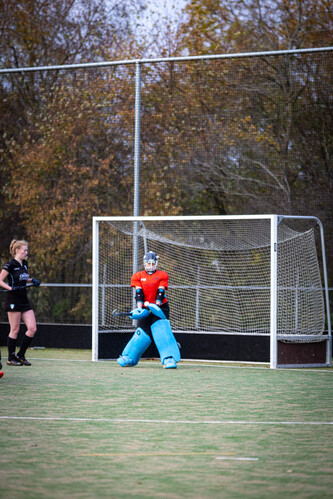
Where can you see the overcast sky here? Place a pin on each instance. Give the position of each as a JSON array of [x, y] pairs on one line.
[[165, 8], [169, 5]]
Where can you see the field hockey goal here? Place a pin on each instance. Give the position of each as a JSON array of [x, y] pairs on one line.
[[241, 288]]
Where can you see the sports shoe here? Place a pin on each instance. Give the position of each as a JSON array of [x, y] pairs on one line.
[[170, 363], [14, 361], [24, 361], [1, 374]]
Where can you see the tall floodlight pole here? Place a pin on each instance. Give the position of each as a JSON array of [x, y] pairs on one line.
[[136, 165]]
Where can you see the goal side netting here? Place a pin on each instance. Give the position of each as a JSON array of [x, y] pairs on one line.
[[220, 274]]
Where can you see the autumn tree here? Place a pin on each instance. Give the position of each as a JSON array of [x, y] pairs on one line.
[[274, 102], [276, 93], [64, 138], [43, 33], [218, 26], [248, 135]]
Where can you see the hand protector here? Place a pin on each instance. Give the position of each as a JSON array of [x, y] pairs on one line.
[[139, 313], [35, 282], [156, 310]]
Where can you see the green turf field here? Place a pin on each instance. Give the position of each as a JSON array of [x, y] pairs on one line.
[[74, 428]]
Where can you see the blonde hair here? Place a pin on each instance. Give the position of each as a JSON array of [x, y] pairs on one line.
[[15, 245]]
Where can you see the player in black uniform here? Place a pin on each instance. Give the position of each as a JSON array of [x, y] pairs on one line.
[[17, 305]]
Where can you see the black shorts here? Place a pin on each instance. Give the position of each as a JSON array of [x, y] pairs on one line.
[[17, 302], [146, 323]]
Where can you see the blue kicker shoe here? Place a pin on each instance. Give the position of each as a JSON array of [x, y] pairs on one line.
[[125, 361], [170, 363]]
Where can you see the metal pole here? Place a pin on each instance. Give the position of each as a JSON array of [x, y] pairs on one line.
[[165, 59], [136, 200], [273, 328], [137, 139], [197, 300], [95, 297]]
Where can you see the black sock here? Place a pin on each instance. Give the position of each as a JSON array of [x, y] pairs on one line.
[[25, 343], [11, 344]]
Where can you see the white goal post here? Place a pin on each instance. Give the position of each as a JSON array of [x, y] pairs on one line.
[[231, 278]]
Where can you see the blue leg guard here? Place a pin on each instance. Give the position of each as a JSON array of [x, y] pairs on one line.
[[132, 352], [166, 343]]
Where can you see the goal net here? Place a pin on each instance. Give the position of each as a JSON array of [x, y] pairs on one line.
[[221, 274]]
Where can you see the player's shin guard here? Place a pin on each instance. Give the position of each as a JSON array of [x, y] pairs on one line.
[[132, 352], [166, 343]]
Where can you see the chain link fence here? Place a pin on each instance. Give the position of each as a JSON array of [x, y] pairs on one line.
[[224, 134]]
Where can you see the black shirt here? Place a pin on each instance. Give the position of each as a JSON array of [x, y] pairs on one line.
[[17, 301], [18, 274]]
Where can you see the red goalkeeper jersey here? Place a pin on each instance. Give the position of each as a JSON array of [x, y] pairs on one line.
[[150, 283]]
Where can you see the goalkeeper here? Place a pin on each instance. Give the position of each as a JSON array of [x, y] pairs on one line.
[[152, 314]]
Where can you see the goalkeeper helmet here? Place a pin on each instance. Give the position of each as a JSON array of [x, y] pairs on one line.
[[150, 262]]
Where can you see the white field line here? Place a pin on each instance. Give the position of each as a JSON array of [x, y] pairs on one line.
[[166, 454], [166, 421], [238, 458], [60, 360], [198, 363], [154, 362]]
